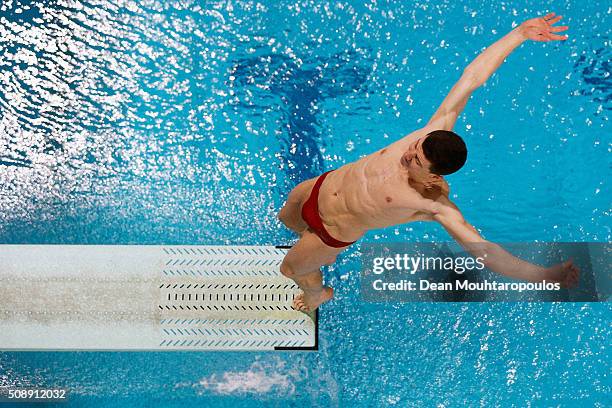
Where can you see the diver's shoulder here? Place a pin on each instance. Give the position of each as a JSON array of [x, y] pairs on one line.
[[402, 143]]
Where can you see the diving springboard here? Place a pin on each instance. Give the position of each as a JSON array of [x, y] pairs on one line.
[[145, 297]]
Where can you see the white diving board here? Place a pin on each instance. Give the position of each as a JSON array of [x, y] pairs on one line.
[[146, 297]]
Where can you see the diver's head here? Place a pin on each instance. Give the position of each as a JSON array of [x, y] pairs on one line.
[[439, 153]]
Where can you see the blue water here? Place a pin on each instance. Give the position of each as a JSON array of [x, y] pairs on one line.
[[150, 122]]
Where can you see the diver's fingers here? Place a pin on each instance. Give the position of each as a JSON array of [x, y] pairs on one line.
[[541, 37], [557, 37], [558, 28]]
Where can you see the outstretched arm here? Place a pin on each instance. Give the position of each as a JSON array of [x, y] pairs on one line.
[[483, 66], [495, 257], [536, 29]]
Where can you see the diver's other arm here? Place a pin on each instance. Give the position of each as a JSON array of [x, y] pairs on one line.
[[445, 117], [474, 75], [493, 255], [537, 29], [483, 66]]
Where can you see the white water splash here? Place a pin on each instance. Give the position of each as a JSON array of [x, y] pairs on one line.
[[258, 379]]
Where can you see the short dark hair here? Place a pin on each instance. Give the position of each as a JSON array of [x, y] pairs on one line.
[[445, 150]]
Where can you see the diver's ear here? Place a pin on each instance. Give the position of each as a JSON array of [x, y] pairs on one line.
[[436, 178], [433, 180]]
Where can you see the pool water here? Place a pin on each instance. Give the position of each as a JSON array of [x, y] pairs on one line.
[[182, 122]]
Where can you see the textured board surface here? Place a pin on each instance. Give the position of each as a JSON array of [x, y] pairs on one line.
[[130, 297]]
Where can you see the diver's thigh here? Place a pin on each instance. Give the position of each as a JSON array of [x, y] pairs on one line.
[[301, 192], [310, 253]]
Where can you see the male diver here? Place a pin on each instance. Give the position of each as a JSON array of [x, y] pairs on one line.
[[403, 183]]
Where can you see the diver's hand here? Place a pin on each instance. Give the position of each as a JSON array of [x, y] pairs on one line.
[[565, 273], [541, 28]]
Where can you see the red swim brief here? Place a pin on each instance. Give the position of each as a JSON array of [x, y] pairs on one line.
[[310, 214]]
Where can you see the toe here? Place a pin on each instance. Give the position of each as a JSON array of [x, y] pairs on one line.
[[297, 303]]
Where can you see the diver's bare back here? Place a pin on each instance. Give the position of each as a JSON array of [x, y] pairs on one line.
[[373, 192]]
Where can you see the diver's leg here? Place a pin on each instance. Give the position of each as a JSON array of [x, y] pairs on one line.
[[291, 213], [302, 264]]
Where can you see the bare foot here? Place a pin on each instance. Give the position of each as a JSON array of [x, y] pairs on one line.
[[309, 300]]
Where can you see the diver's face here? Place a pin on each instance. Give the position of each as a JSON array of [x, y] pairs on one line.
[[414, 160]]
